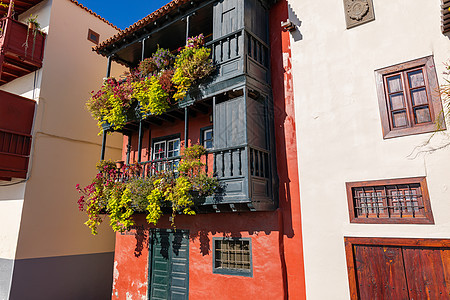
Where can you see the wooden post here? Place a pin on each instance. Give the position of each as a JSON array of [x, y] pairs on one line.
[[10, 9], [102, 156], [143, 49], [129, 148], [186, 127], [187, 27], [108, 68], [140, 141]]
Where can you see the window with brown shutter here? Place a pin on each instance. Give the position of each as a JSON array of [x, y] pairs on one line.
[[392, 201], [408, 96]]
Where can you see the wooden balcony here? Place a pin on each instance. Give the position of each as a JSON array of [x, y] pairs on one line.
[[16, 121], [21, 50]]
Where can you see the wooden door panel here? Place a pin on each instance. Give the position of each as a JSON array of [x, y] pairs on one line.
[[380, 272], [169, 261], [426, 273]]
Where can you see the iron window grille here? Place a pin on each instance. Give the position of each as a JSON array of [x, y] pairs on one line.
[[232, 256], [390, 201]]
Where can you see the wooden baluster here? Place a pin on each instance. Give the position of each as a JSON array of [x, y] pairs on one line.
[[236, 36], [254, 162], [223, 163], [221, 50], [240, 161], [264, 165], [231, 162], [229, 47], [206, 162], [214, 164]]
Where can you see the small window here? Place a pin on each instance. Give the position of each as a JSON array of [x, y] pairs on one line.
[[165, 153], [93, 36], [207, 137], [390, 201], [408, 98], [232, 256]]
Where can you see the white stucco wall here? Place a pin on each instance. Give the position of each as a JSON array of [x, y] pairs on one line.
[[66, 146], [339, 127]]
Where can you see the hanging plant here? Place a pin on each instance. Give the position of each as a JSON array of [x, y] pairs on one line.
[[156, 85], [168, 188], [160, 60], [193, 63], [33, 27], [111, 103]]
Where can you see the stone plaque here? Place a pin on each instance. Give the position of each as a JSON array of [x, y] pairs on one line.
[[358, 12]]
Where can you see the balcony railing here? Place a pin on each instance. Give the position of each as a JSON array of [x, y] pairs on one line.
[[22, 50], [16, 121]]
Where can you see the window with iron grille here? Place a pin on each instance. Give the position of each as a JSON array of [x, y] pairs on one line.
[[232, 256], [408, 98], [390, 201]]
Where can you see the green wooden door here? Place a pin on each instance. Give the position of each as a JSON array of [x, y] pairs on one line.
[[169, 265]]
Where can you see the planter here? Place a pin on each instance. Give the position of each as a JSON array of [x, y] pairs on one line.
[[31, 27], [119, 164]]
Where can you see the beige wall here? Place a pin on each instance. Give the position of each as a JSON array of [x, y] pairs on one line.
[[66, 146], [339, 127]]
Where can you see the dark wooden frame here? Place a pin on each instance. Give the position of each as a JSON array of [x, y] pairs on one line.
[[376, 241], [434, 99], [235, 272], [97, 35], [426, 219], [202, 133]]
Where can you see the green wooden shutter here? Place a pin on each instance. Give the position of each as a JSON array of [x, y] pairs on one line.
[[169, 265]]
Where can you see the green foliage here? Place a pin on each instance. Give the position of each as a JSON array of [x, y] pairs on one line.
[[119, 207], [176, 189], [151, 96], [154, 84], [111, 103], [191, 64]]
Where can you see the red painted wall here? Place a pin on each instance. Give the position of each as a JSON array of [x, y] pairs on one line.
[[278, 270], [287, 161]]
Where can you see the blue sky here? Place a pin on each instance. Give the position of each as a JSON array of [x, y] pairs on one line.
[[123, 13]]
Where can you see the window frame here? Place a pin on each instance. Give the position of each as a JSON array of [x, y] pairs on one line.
[[426, 64], [202, 136], [425, 218], [97, 35], [234, 272], [165, 140]]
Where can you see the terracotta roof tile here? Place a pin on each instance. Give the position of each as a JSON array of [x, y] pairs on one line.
[[94, 14], [174, 4]]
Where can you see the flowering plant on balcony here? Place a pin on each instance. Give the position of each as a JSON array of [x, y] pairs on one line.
[[111, 103], [121, 193], [155, 85], [191, 64]]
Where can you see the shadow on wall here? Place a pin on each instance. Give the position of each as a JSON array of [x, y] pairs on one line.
[[230, 225], [296, 35]]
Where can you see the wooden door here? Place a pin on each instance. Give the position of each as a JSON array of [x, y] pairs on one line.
[[380, 272], [413, 269], [169, 265]]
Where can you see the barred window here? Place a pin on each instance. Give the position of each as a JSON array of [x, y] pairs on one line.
[[232, 256], [390, 201]]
